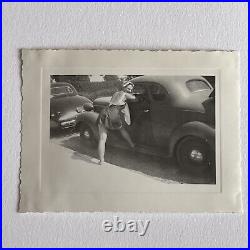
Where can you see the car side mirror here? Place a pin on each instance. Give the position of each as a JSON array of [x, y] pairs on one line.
[[88, 106]]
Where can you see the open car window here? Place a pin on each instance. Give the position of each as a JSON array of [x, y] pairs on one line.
[[62, 90], [140, 89], [197, 85], [141, 92]]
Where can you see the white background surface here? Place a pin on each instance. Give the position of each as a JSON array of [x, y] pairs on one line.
[[207, 26]]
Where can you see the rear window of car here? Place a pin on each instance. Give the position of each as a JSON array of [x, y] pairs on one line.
[[63, 90], [197, 85]]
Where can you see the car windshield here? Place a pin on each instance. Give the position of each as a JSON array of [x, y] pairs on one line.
[[62, 90], [197, 85]]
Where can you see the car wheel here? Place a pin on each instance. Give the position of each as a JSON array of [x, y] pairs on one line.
[[194, 154], [87, 135]]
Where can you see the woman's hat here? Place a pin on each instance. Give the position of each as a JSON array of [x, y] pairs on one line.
[[125, 84]]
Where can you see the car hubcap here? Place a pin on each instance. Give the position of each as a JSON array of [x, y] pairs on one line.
[[196, 155], [86, 134]]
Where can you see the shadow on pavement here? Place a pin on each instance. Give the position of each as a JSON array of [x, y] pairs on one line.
[[164, 169]]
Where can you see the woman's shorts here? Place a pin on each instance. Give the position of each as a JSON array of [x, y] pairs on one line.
[[112, 117]]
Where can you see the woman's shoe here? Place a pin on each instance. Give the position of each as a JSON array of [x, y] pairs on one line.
[[101, 162]]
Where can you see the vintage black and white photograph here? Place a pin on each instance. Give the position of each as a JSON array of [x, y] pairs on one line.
[[125, 124], [161, 126], [129, 131]]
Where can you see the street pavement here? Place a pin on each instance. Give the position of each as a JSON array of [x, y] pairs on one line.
[[164, 169]]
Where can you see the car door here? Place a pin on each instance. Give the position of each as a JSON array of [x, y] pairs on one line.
[[162, 114], [141, 127]]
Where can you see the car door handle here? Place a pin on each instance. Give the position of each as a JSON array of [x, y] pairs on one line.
[[146, 110]]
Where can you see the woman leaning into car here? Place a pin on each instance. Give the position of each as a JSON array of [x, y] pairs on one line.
[[115, 117]]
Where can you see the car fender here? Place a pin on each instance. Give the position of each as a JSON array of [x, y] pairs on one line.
[[89, 118], [194, 128]]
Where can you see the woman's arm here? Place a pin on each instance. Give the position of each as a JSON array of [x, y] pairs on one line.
[[130, 96]]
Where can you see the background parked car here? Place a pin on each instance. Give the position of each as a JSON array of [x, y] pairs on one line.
[[171, 117], [65, 105]]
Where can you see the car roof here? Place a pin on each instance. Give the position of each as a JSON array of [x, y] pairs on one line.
[[167, 81], [179, 94]]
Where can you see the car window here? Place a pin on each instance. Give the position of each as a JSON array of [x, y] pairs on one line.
[[158, 92], [62, 90], [197, 85], [139, 89]]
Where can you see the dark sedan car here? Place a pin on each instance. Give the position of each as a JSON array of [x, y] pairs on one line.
[[65, 105], [172, 116]]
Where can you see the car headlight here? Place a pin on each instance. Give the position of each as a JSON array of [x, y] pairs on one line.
[[80, 109], [56, 114]]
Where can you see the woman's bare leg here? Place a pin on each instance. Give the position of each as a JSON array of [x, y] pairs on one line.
[[102, 142], [127, 137]]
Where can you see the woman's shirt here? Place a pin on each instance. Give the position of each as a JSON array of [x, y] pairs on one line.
[[119, 98]]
